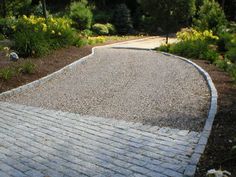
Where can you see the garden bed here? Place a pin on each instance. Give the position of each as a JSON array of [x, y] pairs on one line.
[[50, 63], [223, 136]]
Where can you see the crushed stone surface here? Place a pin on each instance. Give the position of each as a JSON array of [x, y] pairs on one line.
[[133, 85]]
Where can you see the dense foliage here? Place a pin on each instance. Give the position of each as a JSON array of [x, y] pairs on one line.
[[100, 29], [122, 19], [35, 36], [210, 16], [81, 15], [166, 15], [220, 50]]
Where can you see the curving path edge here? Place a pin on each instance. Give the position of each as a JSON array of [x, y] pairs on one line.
[[198, 151], [191, 168]]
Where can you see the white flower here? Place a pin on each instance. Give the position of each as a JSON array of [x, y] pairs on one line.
[[218, 173]]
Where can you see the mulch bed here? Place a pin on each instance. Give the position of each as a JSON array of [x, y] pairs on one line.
[[223, 136]]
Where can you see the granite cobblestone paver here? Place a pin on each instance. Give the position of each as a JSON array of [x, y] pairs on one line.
[[39, 142]]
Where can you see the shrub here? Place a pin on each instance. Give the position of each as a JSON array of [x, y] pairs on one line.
[[198, 49], [79, 42], [7, 26], [231, 69], [164, 48], [231, 54], [210, 17], [81, 15], [96, 40], [6, 73], [36, 36], [210, 55], [192, 34], [222, 64], [111, 28], [28, 43], [27, 67], [2, 37], [86, 33], [122, 19], [224, 41], [100, 29]]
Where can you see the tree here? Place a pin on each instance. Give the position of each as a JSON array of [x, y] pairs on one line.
[[210, 17], [122, 19], [4, 7], [44, 8], [169, 14], [81, 14]]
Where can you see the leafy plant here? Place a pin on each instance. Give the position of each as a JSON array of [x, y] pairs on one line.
[[198, 49], [79, 42], [2, 37], [36, 36], [7, 73], [164, 48], [28, 43], [111, 28], [86, 33], [27, 67], [96, 40], [224, 41], [192, 34], [231, 54], [100, 29], [222, 64], [81, 15], [7, 26], [210, 17]]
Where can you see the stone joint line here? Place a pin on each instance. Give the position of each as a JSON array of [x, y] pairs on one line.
[[39, 142]]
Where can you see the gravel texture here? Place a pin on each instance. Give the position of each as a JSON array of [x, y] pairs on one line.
[[135, 85]]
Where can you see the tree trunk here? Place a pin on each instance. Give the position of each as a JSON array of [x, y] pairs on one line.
[[223, 4], [4, 14], [44, 8], [167, 37]]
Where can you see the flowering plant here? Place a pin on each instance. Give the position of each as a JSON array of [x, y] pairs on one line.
[[191, 34]]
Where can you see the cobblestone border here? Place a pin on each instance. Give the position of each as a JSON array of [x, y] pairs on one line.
[[191, 168], [61, 71]]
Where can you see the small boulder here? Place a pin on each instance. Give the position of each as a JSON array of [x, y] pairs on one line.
[[13, 56]]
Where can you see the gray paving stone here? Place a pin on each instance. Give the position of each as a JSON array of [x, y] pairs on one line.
[[39, 142]]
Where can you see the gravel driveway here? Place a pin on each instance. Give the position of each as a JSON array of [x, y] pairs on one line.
[[140, 86]]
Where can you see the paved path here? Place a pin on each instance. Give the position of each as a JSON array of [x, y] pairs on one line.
[[119, 113], [148, 43], [40, 142]]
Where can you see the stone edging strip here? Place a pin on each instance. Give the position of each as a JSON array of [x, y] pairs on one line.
[[61, 71], [191, 168]]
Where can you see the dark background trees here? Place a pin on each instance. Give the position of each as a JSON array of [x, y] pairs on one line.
[[150, 16]]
